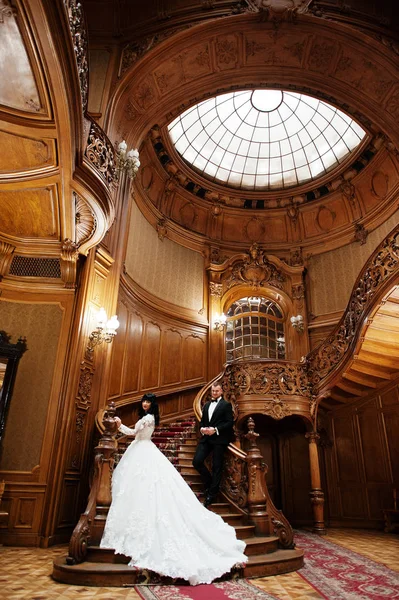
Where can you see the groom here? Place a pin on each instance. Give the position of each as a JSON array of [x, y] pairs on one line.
[[216, 429]]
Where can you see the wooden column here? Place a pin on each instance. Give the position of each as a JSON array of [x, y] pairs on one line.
[[316, 493]]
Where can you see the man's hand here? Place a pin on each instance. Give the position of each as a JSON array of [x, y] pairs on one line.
[[207, 430]]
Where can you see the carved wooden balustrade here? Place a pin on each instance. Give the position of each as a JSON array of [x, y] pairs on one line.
[[244, 484], [275, 388], [378, 275], [244, 478]]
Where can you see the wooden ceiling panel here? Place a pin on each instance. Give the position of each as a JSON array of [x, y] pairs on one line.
[[25, 154], [30, 213]]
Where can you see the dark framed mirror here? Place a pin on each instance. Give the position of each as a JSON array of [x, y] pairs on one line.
[[10, 355]]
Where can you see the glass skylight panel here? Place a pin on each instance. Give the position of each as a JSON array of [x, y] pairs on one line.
[[263, 139]]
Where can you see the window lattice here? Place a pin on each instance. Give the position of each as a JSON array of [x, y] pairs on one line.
[[254, 329], [29, 266], [264, 139]]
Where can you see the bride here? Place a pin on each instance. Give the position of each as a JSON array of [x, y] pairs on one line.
[[156, 519]]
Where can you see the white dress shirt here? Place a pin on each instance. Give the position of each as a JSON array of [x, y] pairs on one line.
[[212, 406]]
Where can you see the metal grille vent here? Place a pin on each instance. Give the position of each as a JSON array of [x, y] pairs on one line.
[[28, 266]]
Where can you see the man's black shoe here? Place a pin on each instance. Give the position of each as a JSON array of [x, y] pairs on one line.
[[208, 501]]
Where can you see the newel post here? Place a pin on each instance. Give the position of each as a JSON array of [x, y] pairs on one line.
[[257, 470], [90, 526], [316, 493], [105, 451]]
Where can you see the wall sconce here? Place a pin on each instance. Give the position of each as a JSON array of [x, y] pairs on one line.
[[105, 330], [127, 161], [219, 322], [297, 323]]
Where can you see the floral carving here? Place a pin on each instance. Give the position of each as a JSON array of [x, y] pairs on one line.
[[79, 38], [382, 265], [320, 57], [215, 289], [83, 398], [226, 51], [100, 153]]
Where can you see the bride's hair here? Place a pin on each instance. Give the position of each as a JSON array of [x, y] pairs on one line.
[[154, 408]]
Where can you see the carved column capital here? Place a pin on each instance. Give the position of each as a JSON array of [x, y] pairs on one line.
[[312, 436]]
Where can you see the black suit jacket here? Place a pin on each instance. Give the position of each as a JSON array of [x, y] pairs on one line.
[[222, 419]]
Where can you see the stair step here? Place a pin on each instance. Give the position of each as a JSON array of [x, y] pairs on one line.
[[221, 508], [190, 472], [185, 455], [275, 563], [261, 545], [185, 462], [95, 554], [244, 531]]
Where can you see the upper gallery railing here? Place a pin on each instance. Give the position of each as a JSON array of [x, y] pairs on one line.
[[377, 275]]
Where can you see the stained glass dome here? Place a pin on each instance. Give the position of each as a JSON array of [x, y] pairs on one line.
[[264, 139]]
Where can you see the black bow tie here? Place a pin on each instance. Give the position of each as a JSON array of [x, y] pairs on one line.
[[214, 399]]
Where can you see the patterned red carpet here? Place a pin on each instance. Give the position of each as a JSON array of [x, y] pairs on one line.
[[333, 571], [340, 574], [226, 590]]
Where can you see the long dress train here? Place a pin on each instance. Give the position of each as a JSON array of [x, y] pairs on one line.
[[156, 519]]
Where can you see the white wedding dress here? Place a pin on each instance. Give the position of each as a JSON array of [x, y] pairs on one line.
[[157, 520]]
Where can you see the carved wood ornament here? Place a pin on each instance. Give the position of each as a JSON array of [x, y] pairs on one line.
[[255, 270]]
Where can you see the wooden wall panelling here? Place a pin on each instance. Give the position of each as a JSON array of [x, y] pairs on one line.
[[118, 352], [150, 363], [194, 358], [26, 520], [160, 351], [134, 338], [171, 357], [362, 463], [295, 470]]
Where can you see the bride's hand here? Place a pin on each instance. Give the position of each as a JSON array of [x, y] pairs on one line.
[[118, 422]]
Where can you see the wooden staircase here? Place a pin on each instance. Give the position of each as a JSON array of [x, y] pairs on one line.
[[102, 567]]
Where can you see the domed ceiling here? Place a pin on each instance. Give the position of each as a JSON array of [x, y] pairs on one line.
[[264, 139]]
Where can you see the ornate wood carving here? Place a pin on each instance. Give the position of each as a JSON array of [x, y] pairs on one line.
[[85, 220], [255, 270], [79, 39], [261, 509], [83, 397], [235, 480], [68, 262], [361, 233], [100, 153], [215, 289], [381, 266], [91, 524], [269, 378]]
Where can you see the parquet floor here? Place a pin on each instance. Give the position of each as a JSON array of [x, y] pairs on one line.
[[25, 572]]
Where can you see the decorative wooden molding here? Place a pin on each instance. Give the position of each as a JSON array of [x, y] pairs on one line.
[[6, 252], [85, 220], [77, 27], [101, 154], [68, 263]]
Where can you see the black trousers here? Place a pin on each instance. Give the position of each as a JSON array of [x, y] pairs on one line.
[[210, 481]]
